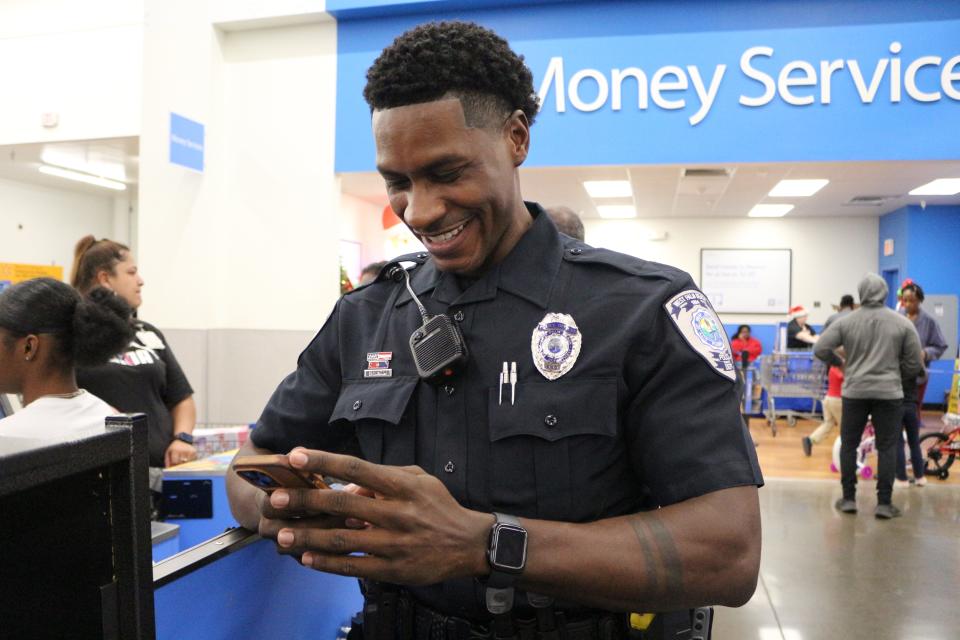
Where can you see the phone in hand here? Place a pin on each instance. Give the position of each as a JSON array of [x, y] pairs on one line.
[[271, 472]]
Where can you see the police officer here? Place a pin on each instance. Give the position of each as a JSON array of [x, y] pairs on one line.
[[585, 460]]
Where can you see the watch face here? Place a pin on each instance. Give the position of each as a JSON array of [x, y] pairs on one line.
[[511, 548]]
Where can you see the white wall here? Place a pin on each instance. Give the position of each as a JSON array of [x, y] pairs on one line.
[[830, 255], [82, 60], [251, 243], [41, 225]]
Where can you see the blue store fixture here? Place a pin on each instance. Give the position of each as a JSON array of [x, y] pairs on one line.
[[237, 586]]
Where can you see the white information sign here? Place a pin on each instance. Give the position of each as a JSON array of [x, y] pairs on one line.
[[746, 280]]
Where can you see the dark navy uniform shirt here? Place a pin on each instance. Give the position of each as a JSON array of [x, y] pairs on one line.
[[642, 419]]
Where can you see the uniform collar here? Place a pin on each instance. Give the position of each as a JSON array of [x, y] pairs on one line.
[[528, 271]]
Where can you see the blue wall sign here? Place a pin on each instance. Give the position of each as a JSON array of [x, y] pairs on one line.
[[186, 142], [748, 81]]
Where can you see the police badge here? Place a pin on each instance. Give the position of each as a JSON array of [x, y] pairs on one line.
[[555, 345], [701, 328]]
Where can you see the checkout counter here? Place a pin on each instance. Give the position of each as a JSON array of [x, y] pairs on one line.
[[77, 559]]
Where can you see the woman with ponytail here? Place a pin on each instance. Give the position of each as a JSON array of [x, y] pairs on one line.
[[143, 376], [46, 330]]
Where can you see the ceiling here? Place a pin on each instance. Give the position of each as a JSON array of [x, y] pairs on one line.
[[114, 158], [665, 191]]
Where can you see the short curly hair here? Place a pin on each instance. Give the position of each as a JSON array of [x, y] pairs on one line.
[[461, 59]]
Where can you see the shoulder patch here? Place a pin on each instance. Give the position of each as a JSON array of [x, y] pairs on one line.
[[701, 328]]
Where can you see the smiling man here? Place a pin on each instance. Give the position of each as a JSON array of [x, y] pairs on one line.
[[586, 461]]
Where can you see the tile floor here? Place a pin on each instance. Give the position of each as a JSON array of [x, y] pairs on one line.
[[831, 576]]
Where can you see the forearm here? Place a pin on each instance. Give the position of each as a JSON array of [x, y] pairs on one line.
[[702, 551], [241, 494], [184, 415]]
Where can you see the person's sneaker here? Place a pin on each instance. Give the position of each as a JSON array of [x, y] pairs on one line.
[[807, 445], [921, 481], [902, 483], [887, 511], [845, 506]]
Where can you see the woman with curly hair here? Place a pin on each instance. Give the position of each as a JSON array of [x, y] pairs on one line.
[[47, 329]]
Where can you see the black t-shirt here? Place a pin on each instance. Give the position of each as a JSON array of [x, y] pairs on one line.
[[792, 330], [145, 378], [647, 414]]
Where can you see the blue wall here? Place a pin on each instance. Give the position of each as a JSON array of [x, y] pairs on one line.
[[926, 249]]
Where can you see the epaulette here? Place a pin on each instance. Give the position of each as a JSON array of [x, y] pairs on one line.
[[579, 252], [420, 258]]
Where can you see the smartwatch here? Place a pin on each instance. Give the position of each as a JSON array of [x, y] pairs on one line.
[[507, 552], [184, 437]]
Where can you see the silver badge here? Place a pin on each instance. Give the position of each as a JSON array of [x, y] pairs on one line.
[[555, 345]]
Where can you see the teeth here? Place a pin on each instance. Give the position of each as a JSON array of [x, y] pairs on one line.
[[446, 237]]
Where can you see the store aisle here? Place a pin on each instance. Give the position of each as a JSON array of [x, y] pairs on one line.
[[829, 576]]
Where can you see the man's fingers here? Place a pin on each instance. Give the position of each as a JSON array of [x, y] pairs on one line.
[[378, 542], [369, 567], [386, 480], [344, 504]]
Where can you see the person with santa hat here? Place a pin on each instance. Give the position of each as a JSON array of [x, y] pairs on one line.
[[800, 335]]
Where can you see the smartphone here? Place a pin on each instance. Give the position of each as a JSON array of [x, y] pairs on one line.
[[272, 472]]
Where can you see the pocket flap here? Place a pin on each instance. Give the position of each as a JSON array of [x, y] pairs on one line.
[[555, 410], [383, 399]]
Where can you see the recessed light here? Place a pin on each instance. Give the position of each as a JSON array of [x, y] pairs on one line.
[[770, 210], [82, 177], [941, 187], [608, 188], [797, 188], [617, 211]]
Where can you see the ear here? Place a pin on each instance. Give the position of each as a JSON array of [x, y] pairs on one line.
[[31, 347], [517, 132], [103, 279]]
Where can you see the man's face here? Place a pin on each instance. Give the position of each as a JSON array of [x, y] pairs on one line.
[[453, 186]]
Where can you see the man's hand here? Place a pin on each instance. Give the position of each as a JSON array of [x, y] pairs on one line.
[[412, 531], [179, 452]]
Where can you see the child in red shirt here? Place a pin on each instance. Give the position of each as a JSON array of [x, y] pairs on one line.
[[832, 409]]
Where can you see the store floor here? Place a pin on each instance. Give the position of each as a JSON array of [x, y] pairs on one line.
[[831, 576]]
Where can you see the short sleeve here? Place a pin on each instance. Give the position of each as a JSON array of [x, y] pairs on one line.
[[298, 412], [685, 432], [176, 387]]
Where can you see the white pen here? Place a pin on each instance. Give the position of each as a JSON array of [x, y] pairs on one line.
[[513, 382], [504, 375]]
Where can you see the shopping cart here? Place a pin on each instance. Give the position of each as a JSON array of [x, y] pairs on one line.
[[792, 374]]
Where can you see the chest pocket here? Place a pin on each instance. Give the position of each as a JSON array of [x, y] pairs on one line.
[[554, 447], [382, 415]]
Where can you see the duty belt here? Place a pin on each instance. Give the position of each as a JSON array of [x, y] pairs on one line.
[[393, 614]]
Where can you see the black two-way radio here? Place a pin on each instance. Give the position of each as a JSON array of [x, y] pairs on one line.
[[438, 348]]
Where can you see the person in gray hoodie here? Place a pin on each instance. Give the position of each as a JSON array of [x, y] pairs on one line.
[[880, 346]]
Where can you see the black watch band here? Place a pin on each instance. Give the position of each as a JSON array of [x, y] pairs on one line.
[[183, 436], [507, 555]]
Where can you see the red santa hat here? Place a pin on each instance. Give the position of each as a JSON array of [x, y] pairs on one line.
[[797, 312]]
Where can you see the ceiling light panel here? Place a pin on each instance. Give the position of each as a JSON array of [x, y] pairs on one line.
[[82, 177], [797, 188], [941, 187], [770, 210], [617, 211], [608, 188]]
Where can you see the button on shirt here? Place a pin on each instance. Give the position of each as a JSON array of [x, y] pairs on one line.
[[640, 420]]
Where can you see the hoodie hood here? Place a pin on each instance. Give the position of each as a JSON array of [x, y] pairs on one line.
[[873, 290]]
